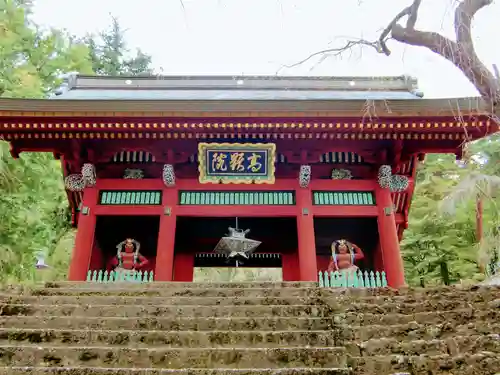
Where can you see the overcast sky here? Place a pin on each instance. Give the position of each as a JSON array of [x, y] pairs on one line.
[[259, 36]]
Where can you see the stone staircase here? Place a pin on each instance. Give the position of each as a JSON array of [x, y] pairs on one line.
[[247, 329]]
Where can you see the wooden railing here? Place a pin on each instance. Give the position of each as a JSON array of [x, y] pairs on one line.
[[358, 279], [101, 276]]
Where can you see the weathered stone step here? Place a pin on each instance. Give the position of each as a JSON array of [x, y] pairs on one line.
[[453, 345], [455, 290], [392, 307], [414, 331], [356, 292], [167, 324], [174, 339], [178, 285], [333, 296], [151, 371], [163, 310], [460, 317], [180, 292], [339, 297], [124, 300], [110, 356], [486, 363]]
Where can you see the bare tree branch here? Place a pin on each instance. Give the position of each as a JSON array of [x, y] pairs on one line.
[[460, 52], [333, 51]]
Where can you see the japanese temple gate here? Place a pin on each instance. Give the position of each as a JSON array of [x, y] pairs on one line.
[[173, 161]]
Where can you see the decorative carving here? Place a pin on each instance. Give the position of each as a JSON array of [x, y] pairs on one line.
[[74, 182], [384, 176], [399, 183], [133, 174], [168, 175], [341, 174], [344, 255], [88, 174], [304, 176], [396, 183]]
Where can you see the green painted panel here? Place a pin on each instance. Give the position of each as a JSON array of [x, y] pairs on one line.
[[338, 198], [130, 197], [356, 279], [231, 198]]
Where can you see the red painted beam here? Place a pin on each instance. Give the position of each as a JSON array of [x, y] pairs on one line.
[[237, 211], [128, 210], [193, 122], [344, 211], [130, 184], [194, 185]]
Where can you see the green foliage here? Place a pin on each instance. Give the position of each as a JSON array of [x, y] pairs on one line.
[[109, 54], [441, 244], [34, 211], [31, 59]]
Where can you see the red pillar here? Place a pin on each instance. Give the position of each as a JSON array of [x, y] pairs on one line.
[[84, 240], [389, 241], [308, 268], [166, 237], [184, 267]]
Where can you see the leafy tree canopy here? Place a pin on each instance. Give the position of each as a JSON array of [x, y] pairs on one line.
[[33, 204], [110, 56]]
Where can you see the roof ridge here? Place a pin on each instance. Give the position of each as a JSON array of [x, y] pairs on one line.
[[224, 83]]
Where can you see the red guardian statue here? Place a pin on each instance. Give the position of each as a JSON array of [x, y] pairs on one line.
[[128, 258], [344, 254]]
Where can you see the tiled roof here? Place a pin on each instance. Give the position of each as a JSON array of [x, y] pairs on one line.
[[237, 88]]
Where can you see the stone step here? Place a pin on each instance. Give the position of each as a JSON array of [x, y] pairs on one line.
[[392, 307], [112, 356], [178, 285], [454, 345], [486, 363], [151, 371], [360, 305], [460, 317], [341, 296], [136, 310], [163, 310], [454, 290], [255, 310], [414, 331], [334, 299], [173, 339], [356, 292], [142, 301], [179, 292], [167, 324]]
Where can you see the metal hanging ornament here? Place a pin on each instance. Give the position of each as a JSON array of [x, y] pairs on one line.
[[235, 246]]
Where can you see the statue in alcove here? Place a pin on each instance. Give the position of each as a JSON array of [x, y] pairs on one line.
[[344, 255], [128, 258]]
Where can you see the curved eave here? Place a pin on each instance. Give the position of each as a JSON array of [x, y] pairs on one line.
[[449, 108]]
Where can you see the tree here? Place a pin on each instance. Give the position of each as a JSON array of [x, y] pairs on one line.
[[32, 59], [108, 52], [459, 52], [435, 248], [34, 214], [33, 205], [481, 185]]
